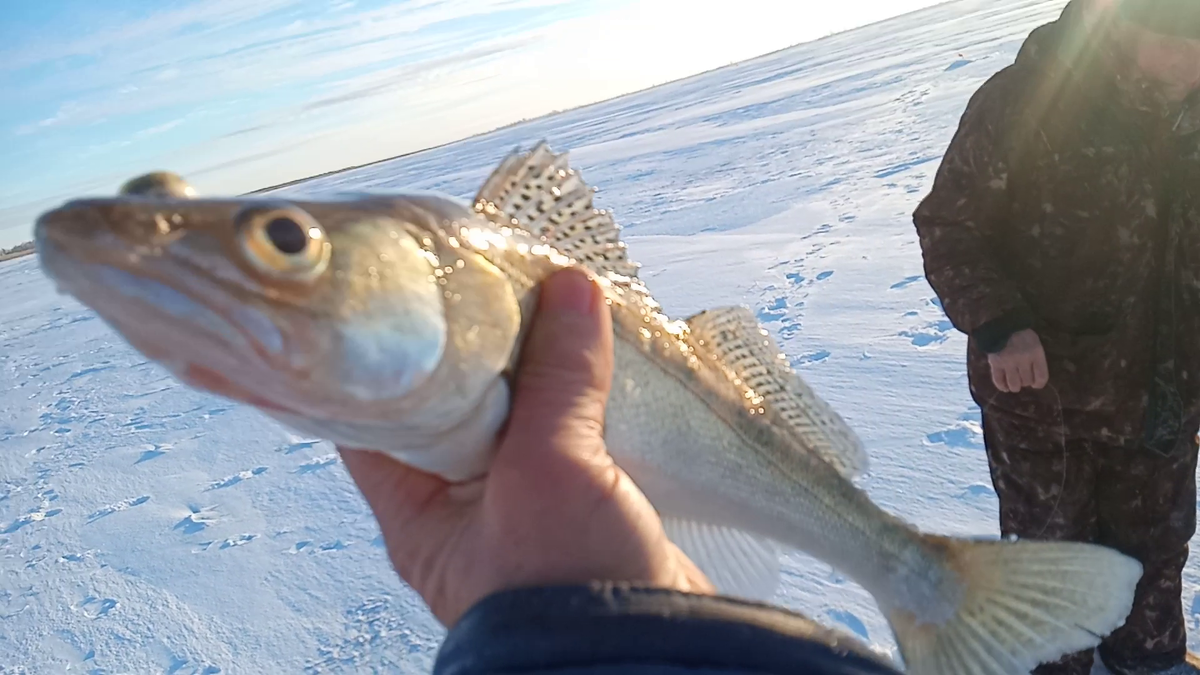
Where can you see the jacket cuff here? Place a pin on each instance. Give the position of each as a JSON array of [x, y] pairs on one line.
[[604, 627], [992, 337]]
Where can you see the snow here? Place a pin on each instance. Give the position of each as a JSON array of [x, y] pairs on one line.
[[145, 527]]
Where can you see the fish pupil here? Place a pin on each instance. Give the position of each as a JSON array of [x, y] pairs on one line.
[[287, 235]]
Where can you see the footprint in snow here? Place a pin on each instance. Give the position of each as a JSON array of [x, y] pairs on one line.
[[230, 481], [811, 357], [906, 282], [89, 371], [931, 334], [178, 663], [824, 228], [216, 411], [240, 540], [151, 392], [152, 452], [299, 546], [797, 279], [29, 519], [314, 465], [374, 634], [299, 446], [977, 491], [775, 310], [788, 327], [122, 505], [95, 607], [197, 521], [1195, 611], [140, 423], [963, 435]]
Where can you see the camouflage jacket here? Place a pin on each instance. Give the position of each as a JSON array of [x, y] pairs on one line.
[[1068, 205]]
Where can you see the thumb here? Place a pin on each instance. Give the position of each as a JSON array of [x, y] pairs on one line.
[[565, 371]]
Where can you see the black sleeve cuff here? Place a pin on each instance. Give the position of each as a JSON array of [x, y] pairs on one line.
[[992, 337], [607, 628]]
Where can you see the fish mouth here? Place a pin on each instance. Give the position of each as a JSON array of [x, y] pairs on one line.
[[138, 290]]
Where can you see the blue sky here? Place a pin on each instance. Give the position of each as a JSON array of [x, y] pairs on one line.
[[239, 94]]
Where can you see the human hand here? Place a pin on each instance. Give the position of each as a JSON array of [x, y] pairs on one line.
[[1022, 363], [554, 508]]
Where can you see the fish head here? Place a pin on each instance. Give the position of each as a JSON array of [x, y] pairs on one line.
[[333, 309]]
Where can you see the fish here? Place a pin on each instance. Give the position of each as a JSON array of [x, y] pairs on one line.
[[394, 323]]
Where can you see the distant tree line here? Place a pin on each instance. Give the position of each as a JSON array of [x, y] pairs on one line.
[[18, 250]]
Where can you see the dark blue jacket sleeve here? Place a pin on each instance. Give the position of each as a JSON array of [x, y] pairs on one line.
[[606, 628]]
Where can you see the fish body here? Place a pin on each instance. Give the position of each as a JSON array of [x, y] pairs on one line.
[[394, 323]]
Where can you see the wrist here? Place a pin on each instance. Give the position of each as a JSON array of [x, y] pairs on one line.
[[628, 628], [993, 336]]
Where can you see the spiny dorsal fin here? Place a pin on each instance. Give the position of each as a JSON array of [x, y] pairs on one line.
[[753, 362], [540, 193]]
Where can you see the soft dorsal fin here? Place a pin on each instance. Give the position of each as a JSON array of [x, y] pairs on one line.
[[753, 362], [540, 193]]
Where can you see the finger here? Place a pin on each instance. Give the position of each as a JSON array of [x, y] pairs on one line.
[[565, 372], [998, 377], [1012, 375], [691, 578], [1041, 372], [1025, 371]]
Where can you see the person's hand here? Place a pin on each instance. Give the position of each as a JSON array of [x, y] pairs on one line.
[[1022, 363], [554, 508]]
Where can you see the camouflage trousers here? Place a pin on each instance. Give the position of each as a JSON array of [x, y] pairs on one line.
[[1131, 498]]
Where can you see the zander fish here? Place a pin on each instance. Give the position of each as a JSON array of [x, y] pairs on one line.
[[394, 323]]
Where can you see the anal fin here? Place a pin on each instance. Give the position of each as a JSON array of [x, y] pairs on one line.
[[736, 562]]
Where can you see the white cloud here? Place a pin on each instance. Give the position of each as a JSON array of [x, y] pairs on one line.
[[219, 56], [125, 33], [64, 114]]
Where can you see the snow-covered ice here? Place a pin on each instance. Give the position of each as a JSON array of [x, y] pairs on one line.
[[148, 528]]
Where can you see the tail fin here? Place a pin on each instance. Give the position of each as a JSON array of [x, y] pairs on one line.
[[1022, 603]]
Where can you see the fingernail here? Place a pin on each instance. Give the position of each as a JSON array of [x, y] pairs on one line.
[[571, 290]]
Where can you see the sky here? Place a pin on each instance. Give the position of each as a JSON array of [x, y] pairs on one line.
[[237, 95]]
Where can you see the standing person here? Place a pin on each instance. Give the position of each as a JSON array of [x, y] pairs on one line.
[[1062, 234]]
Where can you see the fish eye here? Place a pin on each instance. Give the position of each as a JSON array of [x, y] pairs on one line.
[[162, 184], [283, 242], [288, 236]]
